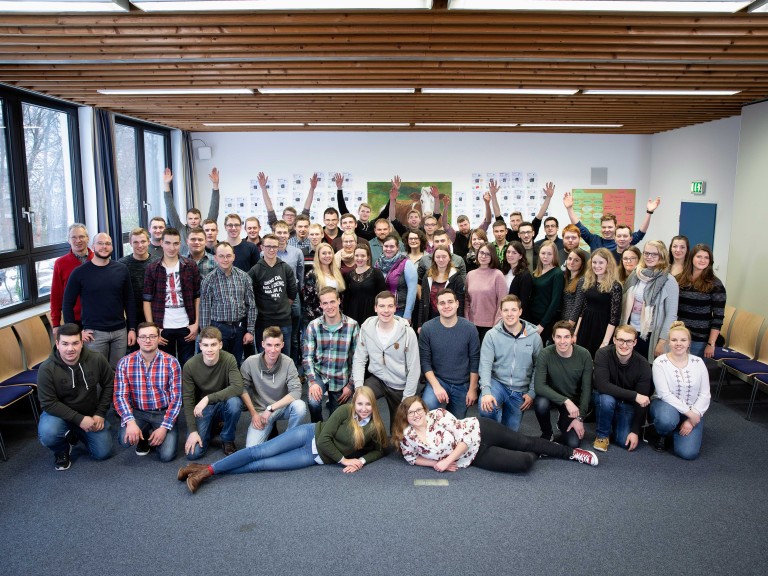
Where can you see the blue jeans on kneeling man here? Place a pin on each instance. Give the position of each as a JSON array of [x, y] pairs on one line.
[[508, 403], [457, 398]]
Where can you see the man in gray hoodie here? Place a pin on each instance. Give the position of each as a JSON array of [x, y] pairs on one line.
[[389, 347], [75, 389], [507, 362], [272, 389]]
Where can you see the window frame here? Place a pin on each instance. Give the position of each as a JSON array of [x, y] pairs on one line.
[[26, 254]]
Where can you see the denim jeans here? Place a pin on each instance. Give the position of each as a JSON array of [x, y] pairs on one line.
[[51, 430], [289, 451], [541, 407], [295, 413], [613, 414], [149, 421], [667, 419], [508, 402], [111, 345], [286, 330], [316, 406], [457, 398], [232, 338], [697, 348], [228, 411], [177, 346]]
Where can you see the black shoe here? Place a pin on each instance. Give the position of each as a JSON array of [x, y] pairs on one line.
[[63, 461], [229, 448], [661, 444], [142, 447]]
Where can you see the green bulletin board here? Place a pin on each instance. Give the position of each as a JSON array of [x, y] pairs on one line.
[[590, 205]]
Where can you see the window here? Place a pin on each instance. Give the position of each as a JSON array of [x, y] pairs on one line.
[[40, 194], [143, 152]]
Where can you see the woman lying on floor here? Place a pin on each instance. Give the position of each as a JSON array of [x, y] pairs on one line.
[[439, 440], [353, 436]]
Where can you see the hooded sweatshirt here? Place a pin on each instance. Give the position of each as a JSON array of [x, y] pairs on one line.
[[509, 360], [396, 364], [73, 392]]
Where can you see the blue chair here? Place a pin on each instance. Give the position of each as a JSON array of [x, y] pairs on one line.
[[15, 382], [742, 343], [746, 370], [10, 395]]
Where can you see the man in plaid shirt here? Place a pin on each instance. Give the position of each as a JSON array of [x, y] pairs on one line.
[[147, 396], [329, 346]]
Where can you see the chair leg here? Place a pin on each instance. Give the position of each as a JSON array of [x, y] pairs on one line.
[[35, 412], [752, 399], [720, 383], [2, 449]]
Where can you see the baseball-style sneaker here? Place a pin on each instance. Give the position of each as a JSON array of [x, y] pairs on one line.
[[584, 456]]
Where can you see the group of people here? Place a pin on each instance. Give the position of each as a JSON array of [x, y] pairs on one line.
[[377, 309]]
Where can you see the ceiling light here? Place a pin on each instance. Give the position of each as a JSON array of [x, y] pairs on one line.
[[173, 91], [459, 124], [603, 5], [550, 91], [64, 6], [337, 90], [358, 124], [282, 5], [571, 125], [661, 92], [238, 124]]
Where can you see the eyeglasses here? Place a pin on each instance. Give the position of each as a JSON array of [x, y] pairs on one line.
[[484, 253], [232, 225], [269, 247], [148, 337], [623, 342], [416, 412], [651, 254], [629, 258]]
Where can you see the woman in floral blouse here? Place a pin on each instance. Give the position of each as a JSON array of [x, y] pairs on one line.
[[441, 441]]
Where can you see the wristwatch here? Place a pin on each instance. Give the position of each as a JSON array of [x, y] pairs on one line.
[[269, 408]]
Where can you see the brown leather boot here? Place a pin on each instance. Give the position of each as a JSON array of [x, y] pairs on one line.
[[185, 471], [196, 478]]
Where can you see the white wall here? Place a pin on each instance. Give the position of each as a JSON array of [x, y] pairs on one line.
[[704, 152], [565, 159], [747, 274]]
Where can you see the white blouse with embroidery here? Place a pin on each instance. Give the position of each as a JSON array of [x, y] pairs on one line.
[[444, 432]]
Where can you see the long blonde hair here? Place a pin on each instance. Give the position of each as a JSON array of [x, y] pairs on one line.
[[358, 435], [321, 275], [611, 275]]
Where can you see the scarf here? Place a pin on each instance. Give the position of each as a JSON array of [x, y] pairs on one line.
[[655, 281], [386, 264]]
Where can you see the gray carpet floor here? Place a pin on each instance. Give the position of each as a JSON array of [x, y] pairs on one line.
[[636, 513]]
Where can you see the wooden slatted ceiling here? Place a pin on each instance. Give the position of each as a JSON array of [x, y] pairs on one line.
[[71, 57]]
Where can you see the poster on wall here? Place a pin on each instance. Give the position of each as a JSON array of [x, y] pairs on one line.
[[413, 196], [590, 205]]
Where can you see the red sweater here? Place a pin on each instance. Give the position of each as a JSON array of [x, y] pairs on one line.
[[62, 268]]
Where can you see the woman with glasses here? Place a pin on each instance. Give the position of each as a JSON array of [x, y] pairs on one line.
[[516, 274], [484, 290], [630, 258], [702, 301], [682, 395], [345, 258], [548, 283], [352, 437], [477, 239], [650, 300], [324, 272], [415, 245], [441, 441]]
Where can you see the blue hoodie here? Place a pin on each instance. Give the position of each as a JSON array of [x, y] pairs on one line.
[[509, 360]]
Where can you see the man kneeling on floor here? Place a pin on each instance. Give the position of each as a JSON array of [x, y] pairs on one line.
[[211, 386], [75, 389]]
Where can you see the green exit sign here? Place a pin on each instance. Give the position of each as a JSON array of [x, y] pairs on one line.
[[698, 187]]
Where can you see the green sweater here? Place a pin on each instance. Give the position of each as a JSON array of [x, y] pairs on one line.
[[561, 379], [219, 382], [335, 441]]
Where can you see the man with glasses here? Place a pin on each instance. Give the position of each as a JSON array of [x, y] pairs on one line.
[[275, 288], [516, 218], [148, 396], [78, 254], [246, 253], [106, 297], [527, 232], [551, 226], [608, 223], [623, 382], [227, 302]]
